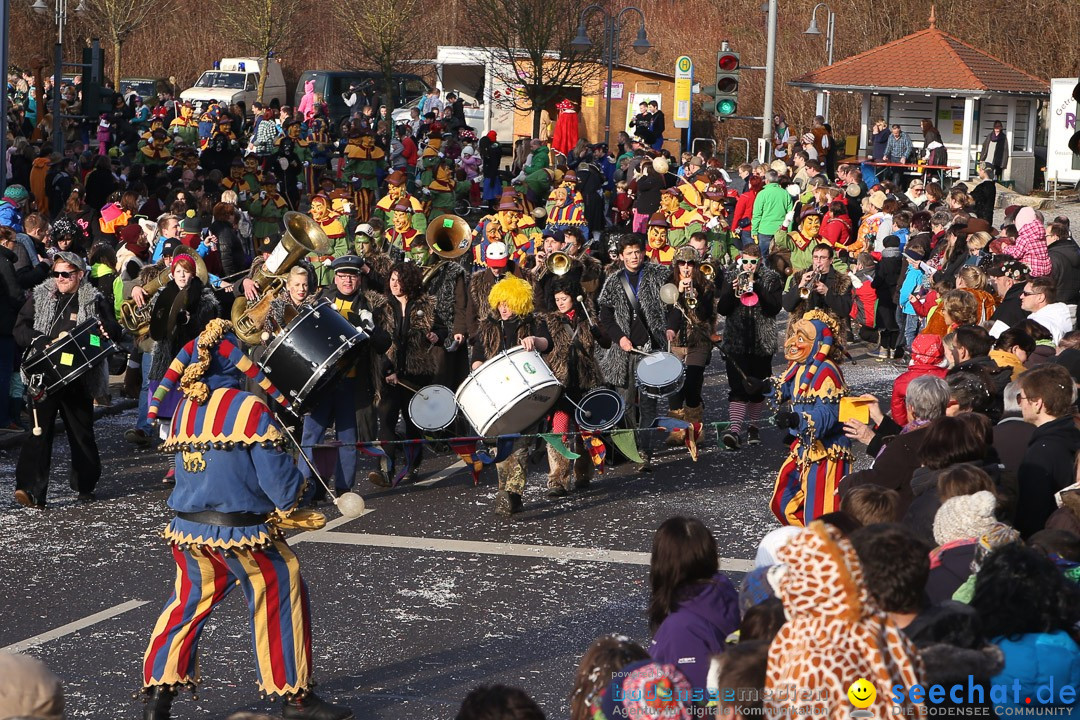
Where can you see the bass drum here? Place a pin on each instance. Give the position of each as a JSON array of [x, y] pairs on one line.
[[311, 353], [599, 410], [432, 408], [67, 358], [508, 393]]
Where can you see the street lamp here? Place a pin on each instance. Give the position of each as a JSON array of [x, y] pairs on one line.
[[60, 18], [830, 30], [613, 25]]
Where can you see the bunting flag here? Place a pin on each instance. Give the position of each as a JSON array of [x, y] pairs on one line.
[[473, 457], [375, 450], [626, 442], [556, 441], [693, 434], [412, 454], [504, 445], [597, 449]]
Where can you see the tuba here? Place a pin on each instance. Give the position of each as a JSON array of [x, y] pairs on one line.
[[449, 237], [137, 319], [302, 236]]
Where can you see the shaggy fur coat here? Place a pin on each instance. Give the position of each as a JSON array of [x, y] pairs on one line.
[[614, 363]]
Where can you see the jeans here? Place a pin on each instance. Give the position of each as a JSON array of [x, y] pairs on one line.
[[337, 408], [764, 241], [141, 423], [912, 326]]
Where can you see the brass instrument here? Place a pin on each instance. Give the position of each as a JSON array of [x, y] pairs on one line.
[[137, 319], [707, 270], [744, 288], [690, 296], [302, 236], [558, 263], [449, 237], [804, 291]]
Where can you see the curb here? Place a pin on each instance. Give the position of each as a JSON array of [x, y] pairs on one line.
[[118, 406]]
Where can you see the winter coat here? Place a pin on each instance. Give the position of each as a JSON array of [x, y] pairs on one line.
[[695, 335], [744, 208], [496, 335], [893, 469], [572, 357], [751, 330], [1065, 269], [770, 208], [836, 229], [11, 216], [920, 515], [984, 195], [950, 567], [617, 318], [704, 615], [898, 405], [647, 193], [836, 301], [1046, 468], [1038, 659]]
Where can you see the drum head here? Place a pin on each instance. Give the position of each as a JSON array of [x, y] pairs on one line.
[[659, 369], [600, 409], [433, 408]]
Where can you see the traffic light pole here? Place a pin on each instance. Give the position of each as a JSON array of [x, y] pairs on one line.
[[770, 77]]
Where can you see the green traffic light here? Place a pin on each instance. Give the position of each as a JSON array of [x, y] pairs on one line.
[[725, 107]]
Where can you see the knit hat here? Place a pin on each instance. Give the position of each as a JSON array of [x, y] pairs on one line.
[[30, 689], [914, 252], [779, 166], [491, 135], [773, 541], [755, 588], [646, 689], [1024, 216], [927, 349], [965, 516], [189, 225], [16, 193]]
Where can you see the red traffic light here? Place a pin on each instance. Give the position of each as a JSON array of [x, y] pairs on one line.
[[727, 62]]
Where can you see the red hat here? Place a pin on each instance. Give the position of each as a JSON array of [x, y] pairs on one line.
[[495, 255], [491, 135], [927, 349]]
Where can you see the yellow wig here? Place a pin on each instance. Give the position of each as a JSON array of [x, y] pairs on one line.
[[515, 292]]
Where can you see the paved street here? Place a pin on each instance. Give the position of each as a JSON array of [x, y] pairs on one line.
[[414, 603]]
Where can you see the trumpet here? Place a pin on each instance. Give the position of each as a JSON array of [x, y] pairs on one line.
[[707, 270], [804, 290], [744, 288]]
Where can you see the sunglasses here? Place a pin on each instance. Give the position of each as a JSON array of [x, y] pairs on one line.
[[64, 273], [1029, 294], [749, 261]]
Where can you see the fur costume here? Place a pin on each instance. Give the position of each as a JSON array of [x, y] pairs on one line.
[[444, 289], [839, 284], [46, 307], [489, 336], [702, 321], [806, 486], [207, 308], [419, 360], [614, 363], [480, 284], [572, 345], [747, 329]]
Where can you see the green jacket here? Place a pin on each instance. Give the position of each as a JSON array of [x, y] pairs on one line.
[[771, 205]]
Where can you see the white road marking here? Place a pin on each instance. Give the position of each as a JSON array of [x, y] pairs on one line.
[[550, 552], [73, 627], [335, 523], [442, 474]]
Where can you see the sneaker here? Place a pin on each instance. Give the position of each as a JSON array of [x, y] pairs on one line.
[[138, 437], [27, 500], [878, 353], [753, 436], [310, 706], [170, 477], [378, 478], [730, 440]]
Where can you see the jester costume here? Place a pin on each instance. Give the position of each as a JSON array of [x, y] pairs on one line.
[[330, 221], [185, 126], [267, 209], [806, 487], [362, 159], [236, 488], [680, 205], [396, 190], [565, 206], [508, 225], [442, 189]]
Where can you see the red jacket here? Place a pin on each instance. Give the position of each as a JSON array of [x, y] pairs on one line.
[[836, 229], [408, 151], [744, 208], [899, 407]]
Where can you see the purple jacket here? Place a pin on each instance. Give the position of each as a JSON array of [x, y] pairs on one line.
[[697, 628]]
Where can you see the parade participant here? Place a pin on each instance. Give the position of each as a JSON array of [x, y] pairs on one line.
[[294, 157], [396, 189], [820, 287], [443, 188], [414, 332], [542, 277], [54, 308], [497, 265], [252, 172], [799, 244], [401, 236], [178, 313], [299, 292], [680, 206], [633, 316], [237, 488], [267, 209], [330, 222], [660, 250], [573, 362], [156, 152], [362, 160], [820, 454], [447, 285], [236, 181], [592, 271], [691, 323], [750, 340], [369, 247], [717, 230], [510, 322], [352, 395], [565, 206], [185, 126], [509, 226]]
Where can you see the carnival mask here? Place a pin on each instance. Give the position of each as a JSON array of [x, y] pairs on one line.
[[251, 164], [657, 237], [669, 203], [798, 345], [811, 227], [319, 211], [508, 219], [402, 221]]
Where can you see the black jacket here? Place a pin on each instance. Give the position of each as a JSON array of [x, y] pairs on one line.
[[983, 194], [649, 188], [920, 516], [11, 294], [1047, 467], [1009, 311], [1065, 269]]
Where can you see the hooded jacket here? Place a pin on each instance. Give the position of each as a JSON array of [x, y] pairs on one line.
[[1047, 467], [1035, 660], [703, 618]]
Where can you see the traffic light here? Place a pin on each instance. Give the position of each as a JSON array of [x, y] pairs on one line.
[[726, 96], [96, 98]]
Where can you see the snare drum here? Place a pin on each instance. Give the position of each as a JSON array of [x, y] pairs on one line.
[[432, 408], [660, 374], [600, 410], [311, 352], [68, 358], [508, 393]]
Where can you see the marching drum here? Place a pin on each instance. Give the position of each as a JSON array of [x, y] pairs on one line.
[[67, 358], [432, 408], [600, 409], [311, 352], [508, 393], [660, 374]]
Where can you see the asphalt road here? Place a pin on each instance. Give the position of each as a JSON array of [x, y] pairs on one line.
[[413, 604]]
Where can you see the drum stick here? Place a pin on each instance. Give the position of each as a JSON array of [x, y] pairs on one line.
[[407, 386], [37, 426], [307, 460], [584, 412], [640, 352], [581, 300]]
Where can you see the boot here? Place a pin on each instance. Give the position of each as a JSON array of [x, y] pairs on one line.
[[309, 706], [158, 702], [507, 503], [558, 473], [677, 438], [132, 382], [583, 471]]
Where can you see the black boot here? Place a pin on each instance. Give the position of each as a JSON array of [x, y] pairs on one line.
[[507, 503], [158, 702], [310, 706]]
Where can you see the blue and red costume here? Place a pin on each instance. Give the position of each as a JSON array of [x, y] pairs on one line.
[[820, 455], [234, 483]]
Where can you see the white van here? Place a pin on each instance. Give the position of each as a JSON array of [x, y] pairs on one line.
[[236, 79]]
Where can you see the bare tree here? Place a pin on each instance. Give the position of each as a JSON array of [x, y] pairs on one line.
[[265, 28], [385, 34], [118, 19], [528, 43]]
